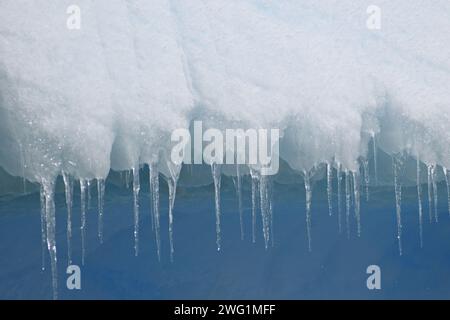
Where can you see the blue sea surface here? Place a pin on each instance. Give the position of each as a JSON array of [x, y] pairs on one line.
[[335, 269]]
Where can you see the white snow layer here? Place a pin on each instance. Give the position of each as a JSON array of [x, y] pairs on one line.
[[109, 95]]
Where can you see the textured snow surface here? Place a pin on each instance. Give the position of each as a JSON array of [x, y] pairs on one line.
[[109, 95]]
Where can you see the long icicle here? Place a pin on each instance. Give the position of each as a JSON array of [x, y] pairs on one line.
[[215, 169], [347, 201], [330, 188], [172, 182], [264, 205], [136, 189], [398, 200], [435, 192], [447, 181], [154, 183], [49, 191], [239, 196], [83, 186], [150, 186], [357, 206], [308, 198], [43, 228], [100, 203], [375, 161], [419, 199], [271, 212], [68, 187], [339, 191], [255, 180], [430, 194], [88, 195]]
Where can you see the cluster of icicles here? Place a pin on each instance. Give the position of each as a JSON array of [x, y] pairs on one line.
[[350, 185]]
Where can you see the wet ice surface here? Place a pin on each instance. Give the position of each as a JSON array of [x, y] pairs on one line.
[[336, 267]]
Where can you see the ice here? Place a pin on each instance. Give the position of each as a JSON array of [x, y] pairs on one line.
[[356, 192], [107, 97], [238, 184], [447, 181], [255, 182], [100, 203], [172, 180], [216, 174], [154, 187], [339, 192], [397, 164], [43, 227], [308, 199], [136, 189], [83, 187], [419, 199], [50, 221], [347, 201], [330, 188], [68, 185]]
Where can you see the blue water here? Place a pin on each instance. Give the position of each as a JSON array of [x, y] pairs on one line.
[[336, 267]]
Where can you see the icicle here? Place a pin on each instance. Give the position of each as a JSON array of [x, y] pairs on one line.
[[100, 203], [215, 169], [356, 191], [49, 189], [172, 182], [419, 199], [308, 195], [255, 180], [329, 188], [339, 184], [447, 181], [347, 201], [150, 186], [68, 186], [88, 195], [238, 183], [154, 184], [83, 186], [136, 189], [23, 165], [375, 165], [430, 206], [398, 200], [366, 177], [264, 205], [272, 238], [127, 179], [435, 192], [43, 228]]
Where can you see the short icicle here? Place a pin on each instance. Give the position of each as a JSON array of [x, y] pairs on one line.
[[419, 199], [397, 163], [216, 173], [430, 194], [447, 181], [357, 205], [308, 198], [238, 183], [435, 193], [136, 189], [68, 187], [83, 187], [101, 204], [330, 188], [255, 182], [347, 201], [49, 192]]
